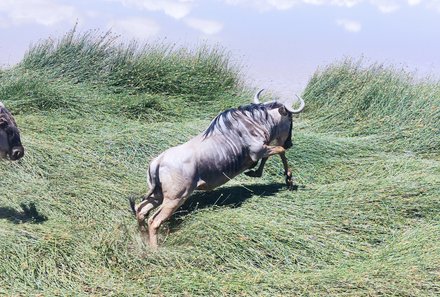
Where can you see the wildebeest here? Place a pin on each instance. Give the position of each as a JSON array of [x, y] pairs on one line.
[[234, 142], [10, 143]]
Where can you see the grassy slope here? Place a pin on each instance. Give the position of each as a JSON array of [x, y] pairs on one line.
[[365, 221]]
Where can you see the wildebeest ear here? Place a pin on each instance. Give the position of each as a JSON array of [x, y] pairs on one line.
[[282, 110], [3, 123]]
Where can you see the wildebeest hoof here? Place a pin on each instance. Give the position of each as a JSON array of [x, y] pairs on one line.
[[252, 173], [292, 187]]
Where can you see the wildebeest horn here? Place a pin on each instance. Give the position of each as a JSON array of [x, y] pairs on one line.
[[257, 96], [289, 104]]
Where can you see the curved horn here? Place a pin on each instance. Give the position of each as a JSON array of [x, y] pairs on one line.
[[257, 97], [299, 109]]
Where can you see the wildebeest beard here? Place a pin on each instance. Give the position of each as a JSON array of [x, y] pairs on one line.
[[288, 143]]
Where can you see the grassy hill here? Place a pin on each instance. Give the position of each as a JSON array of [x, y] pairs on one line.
[[93, 112]]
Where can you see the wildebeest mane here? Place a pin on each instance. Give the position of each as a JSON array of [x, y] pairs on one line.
[[255, 111]]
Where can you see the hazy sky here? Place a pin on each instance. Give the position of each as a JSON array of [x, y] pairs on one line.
[[281, 42]]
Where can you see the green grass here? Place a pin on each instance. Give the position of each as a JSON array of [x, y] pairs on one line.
[[365, 220], [361, 100], [98, 59]]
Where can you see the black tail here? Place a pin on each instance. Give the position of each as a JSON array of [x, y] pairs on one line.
[[154, 181], [132, 201]]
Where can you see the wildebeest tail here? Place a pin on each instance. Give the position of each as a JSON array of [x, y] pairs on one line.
[[153, 178], [132, 201]]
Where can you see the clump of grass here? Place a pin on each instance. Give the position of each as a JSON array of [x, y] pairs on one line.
[[374, 99], [99, 58], [30, 91]]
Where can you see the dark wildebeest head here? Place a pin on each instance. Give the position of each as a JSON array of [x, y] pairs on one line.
[[286, 112], [10, 143]]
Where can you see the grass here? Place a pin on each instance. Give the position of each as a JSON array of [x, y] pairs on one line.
[[374, 99], [365, 220], [97, 58]]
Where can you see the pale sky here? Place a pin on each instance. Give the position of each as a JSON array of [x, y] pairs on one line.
[[281, 42]]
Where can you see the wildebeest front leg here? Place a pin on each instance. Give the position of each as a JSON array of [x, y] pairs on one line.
[[259, 171], [268, 151], [288, 173], [273, 150]]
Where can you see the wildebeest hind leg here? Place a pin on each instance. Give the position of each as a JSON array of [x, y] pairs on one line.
[[166, 210], [142, 211]]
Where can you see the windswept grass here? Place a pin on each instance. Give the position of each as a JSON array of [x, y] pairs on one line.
[[152, 82], [365, 221], [98, 58], [31, 92], [377, 100]]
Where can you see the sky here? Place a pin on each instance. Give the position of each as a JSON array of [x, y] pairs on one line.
[[279, 43]]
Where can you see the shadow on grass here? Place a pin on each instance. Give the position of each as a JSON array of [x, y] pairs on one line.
[[29, 214], [227, 196]]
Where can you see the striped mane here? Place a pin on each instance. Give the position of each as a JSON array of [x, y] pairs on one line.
[[257, 112]]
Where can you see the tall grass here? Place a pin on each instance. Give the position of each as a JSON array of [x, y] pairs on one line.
[[365, 221], [374, 99], [159, 68]]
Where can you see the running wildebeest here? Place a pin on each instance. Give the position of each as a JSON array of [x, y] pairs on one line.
[[10, 143], [234, 142]]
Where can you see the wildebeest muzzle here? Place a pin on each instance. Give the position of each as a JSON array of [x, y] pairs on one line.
[[16, 148]]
